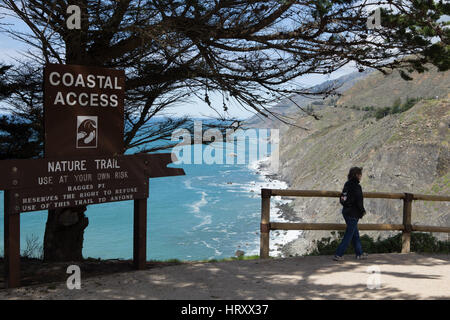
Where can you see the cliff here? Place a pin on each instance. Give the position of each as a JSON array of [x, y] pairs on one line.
[[404, 152]]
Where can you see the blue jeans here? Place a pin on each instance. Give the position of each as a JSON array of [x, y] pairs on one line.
[[351, 234]]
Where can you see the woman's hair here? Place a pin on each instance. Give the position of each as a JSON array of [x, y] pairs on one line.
[[354, 172]]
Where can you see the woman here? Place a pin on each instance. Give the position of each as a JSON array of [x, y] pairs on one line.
[[353, 210]]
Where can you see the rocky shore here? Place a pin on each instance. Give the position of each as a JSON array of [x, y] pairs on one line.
[[283, 243]]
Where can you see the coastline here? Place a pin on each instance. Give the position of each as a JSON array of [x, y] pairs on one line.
[[292, 243], [280, 211]]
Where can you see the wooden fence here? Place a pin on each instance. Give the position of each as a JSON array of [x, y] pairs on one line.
[[406, 227]]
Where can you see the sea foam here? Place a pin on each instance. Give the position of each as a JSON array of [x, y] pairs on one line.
[[280, 237]]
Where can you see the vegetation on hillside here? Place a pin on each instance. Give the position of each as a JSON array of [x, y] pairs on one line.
[[380, 90], [396, 107], [420, 242]]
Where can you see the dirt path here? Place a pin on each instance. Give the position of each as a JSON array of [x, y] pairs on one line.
[[402, 276]]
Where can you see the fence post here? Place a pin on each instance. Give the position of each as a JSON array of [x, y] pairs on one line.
[[265, 223], [406, 235]]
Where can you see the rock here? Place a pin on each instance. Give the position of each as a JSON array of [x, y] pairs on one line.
[[239, 253]]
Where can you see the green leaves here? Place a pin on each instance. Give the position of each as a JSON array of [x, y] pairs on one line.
[[404, 75], [420, 242], [439, 54]]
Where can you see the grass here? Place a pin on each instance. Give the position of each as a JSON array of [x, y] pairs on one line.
[[178, 261], [255, 257], [442, 184], [168, 261]]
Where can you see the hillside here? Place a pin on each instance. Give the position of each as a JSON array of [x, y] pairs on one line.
[[289, 108], [371, 91], [360, 89], [405, 152]]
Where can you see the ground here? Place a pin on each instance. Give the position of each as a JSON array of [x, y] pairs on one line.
[[402, 276]]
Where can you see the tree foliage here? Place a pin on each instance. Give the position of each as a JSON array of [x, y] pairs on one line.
[[18, 137], [250, 51]]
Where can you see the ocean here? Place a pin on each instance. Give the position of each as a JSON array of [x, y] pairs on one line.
[[210, 213]]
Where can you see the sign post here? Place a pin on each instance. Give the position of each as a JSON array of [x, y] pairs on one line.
[[11, 243], [84, 162], [140, 233]]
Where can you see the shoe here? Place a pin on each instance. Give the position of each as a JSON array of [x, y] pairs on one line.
[[337, 258], [364, 256]]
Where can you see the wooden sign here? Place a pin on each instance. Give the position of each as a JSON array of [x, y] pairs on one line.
[[59, 182], [44, 184], [84, 162], [83, 110], [62, 172], [48, 198]]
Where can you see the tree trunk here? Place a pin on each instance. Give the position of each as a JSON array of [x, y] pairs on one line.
[[64, 231]]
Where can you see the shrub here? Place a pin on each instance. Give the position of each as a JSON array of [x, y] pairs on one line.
[[382, 112], [33, 248], [397, 103], [410, 102], [420, 242], [395, 109]]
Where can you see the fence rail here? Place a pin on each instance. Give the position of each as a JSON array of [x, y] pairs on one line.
[[406, 227]]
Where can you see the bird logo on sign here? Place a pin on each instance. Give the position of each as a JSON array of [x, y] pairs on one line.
[[87, 128]]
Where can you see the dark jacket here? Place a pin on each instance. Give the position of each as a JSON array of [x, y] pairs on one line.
[[356, 207]]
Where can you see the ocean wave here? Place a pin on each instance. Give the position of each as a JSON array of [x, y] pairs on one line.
[[206, 220], [188, 184], [227, 185], [201, 178], [216, 252], [196, 206], [280, 237]]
